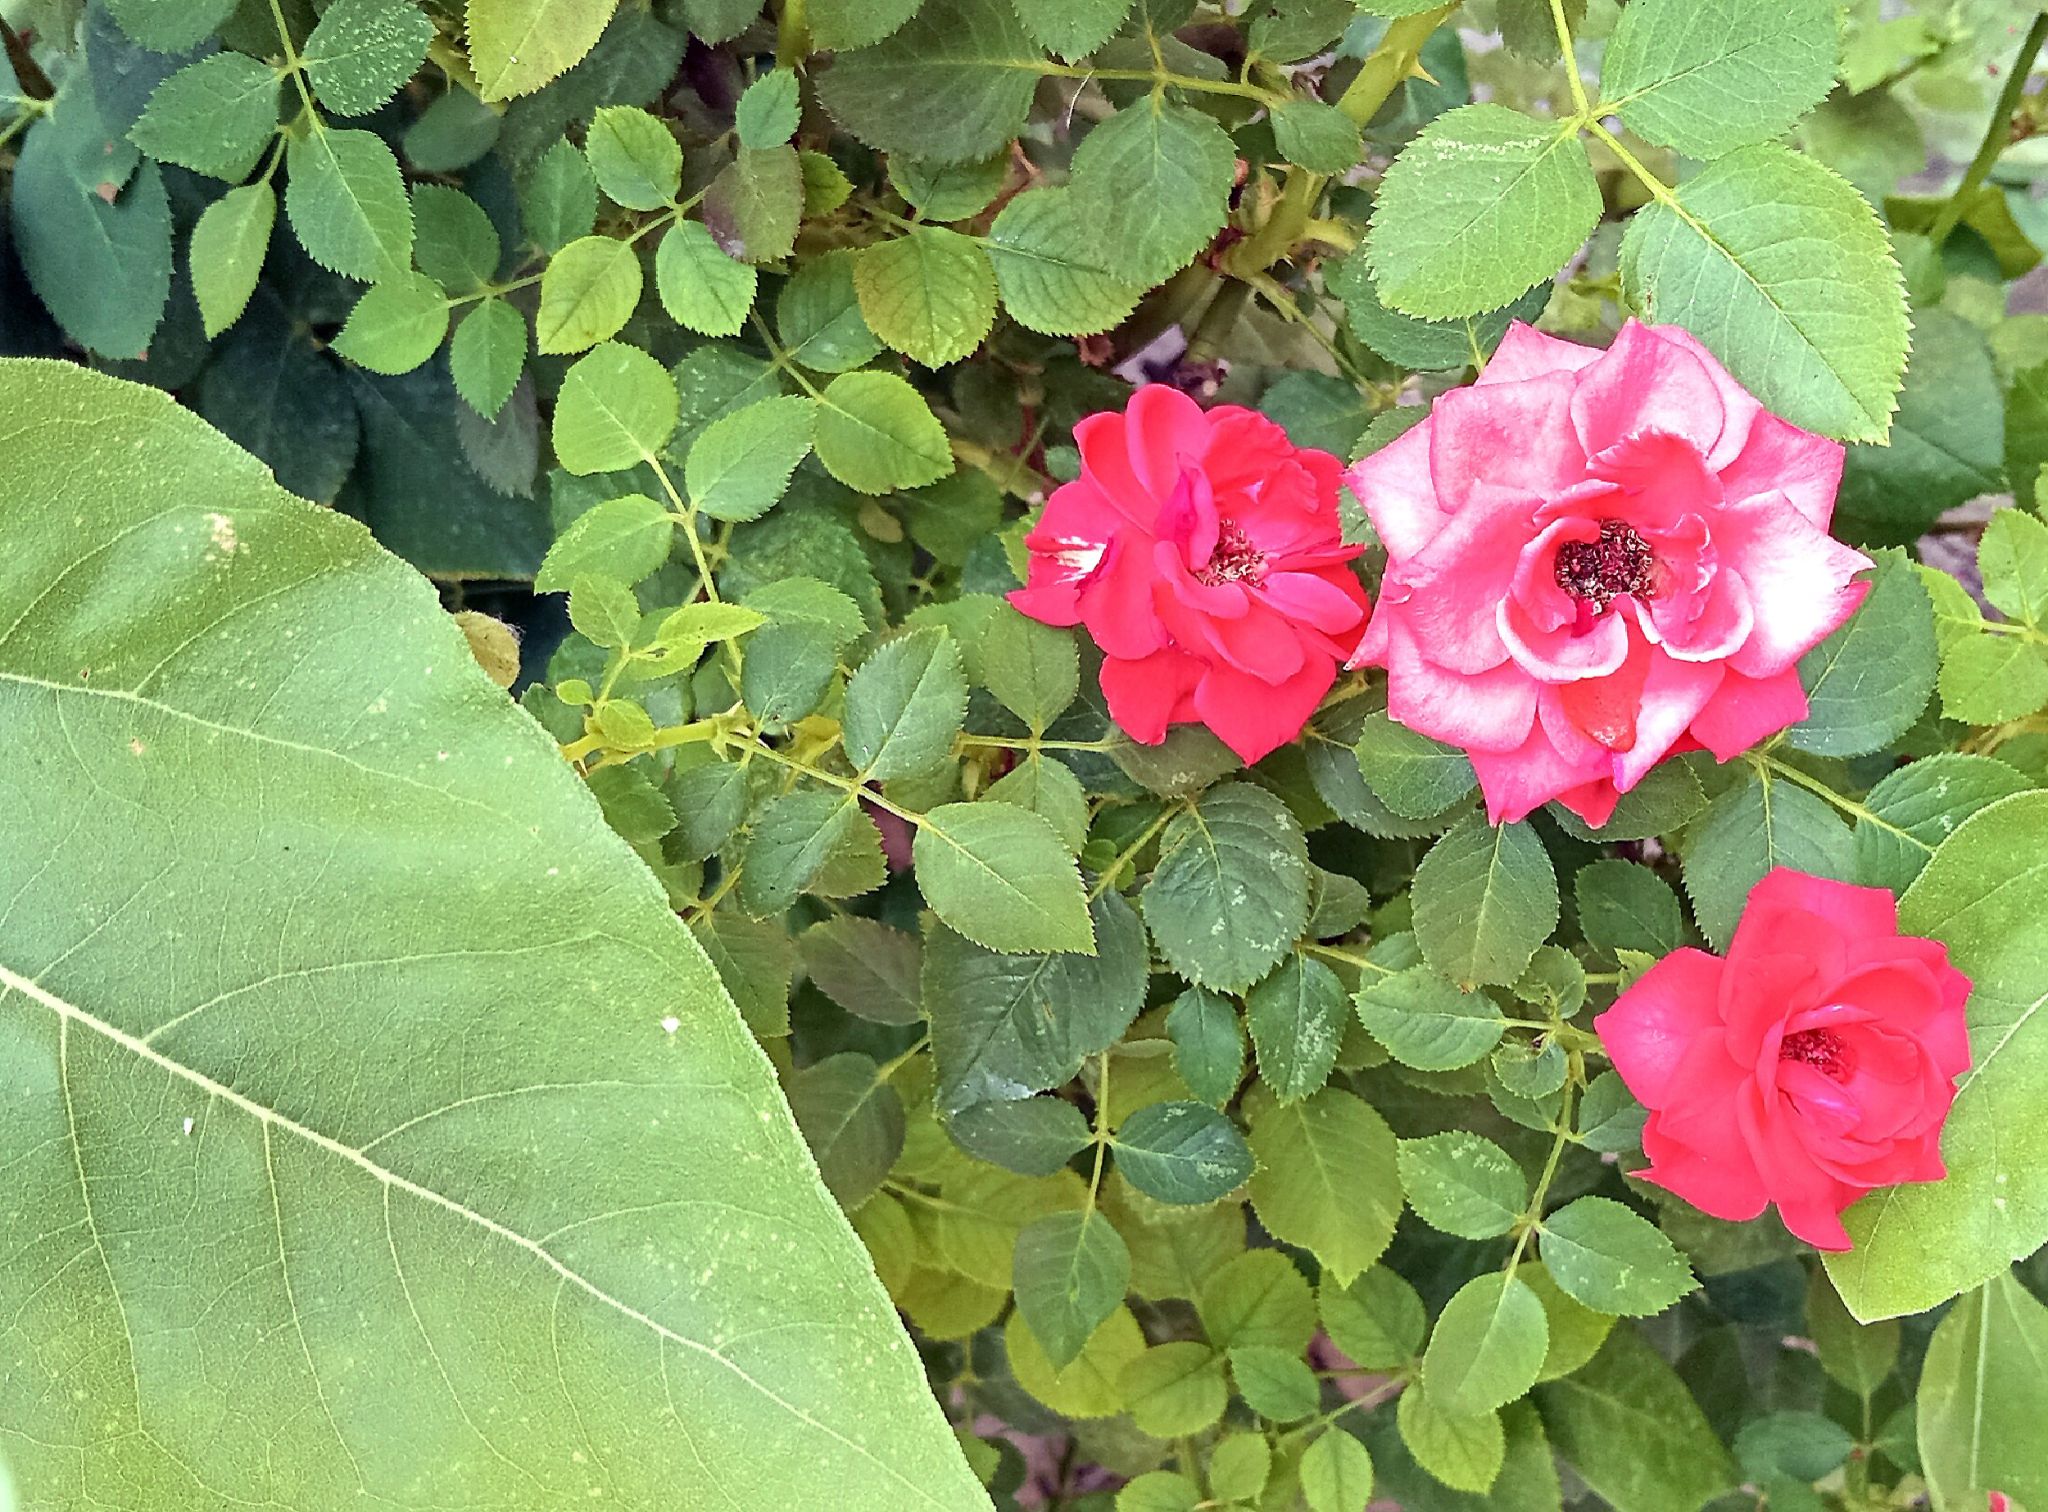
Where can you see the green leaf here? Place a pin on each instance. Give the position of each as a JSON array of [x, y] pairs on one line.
[[1988, 678], [852, 1120], [791, 841], [1485, 898], [1336, 1473], [347, 203], [1296, 1016], [1153, 184], [1086, 1388], [1160, 1491], [1175, 1389], [1208, 1044], [1627, 1424], [558, 199], [172, 28], [1318, 137], [1708, 76], [1786, 275], [1919, 1244], [1072, 1270], [843, 24], [625, 538], [1230, 893], [710, 801], [952, 86], [1050, 790], [2013, 558], [1055, 278], [587, 292], [876, 433], [1861, 1356], [1326, 1179], [1947, 439], [1073, 28], [1801, 1445], [1463, 1184], [818, 316], [1277, 1384], [1482, 205], [1576, 1331], [949, 191], [1257, 1299], [603, 611], [453, 132], [1033, 669], [228, 247], [1034, 1136], [328, 1155], [362, 52], [1239, 1466], [1487, 1346], [1983, 1392], [215, 116], [700, 286], [453, 241], [1427, 1021], [1746, 832], [1867, 682], [740, 465], [1623, 906], [1612, 1259], [1464, 1451], [1182, 1152], [767, 112], [634, 157], [1377, 1320], [1658, 805], [1416, 777], [904, 706], [1422, 344], [1005, 1026], [487, 354], [1002, 878], [99, 260], [516, 46], [754, 205], [616, 408], [930, 294], [1916, 808], [865, 967], [397, 324]]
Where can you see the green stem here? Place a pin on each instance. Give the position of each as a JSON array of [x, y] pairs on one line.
[[1218, 320], [1035, 744], [792, 35], [686, 516], [1570, 54], [1159, 79], [1101, 1134], [1532, 1215], [295, 66], [1659, 190], [1394, 60], [1997, 134], [1353, 958], [1107, 880], [1767, 765]]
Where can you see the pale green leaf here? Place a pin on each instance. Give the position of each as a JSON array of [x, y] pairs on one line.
[[487, 355], [397, 324], [740, 464], [1072, 1270], [1747, 832], [1708, 76], [1487, 1346], [1463, 1184], [1055, 278], [228, 247], [1152, 184], [516, 46], [1627, 1424], [1296, 1016], [347, 203], [1230, 893], [930, 294], [904, 706], [1612, 1259], [362, 52], [700, 286], [587, 292], [876, 433], [625, 538], [1002, 877], [1867, 683], [954, 85], [1326, 1179], [1485, 898], [634, 156], [768, 109], [215, 116], [453, 240], [616, 407]]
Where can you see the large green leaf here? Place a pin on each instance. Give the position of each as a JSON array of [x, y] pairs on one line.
[[516, 46], [1983, 1396], [1627, 1424], [952, 86], [1785, 273], [1707, 76], [386, 1134], [1920, 1244]]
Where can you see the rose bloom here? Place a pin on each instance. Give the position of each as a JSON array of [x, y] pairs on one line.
[[1815, 1062], [1203, 553], [1596, 559]]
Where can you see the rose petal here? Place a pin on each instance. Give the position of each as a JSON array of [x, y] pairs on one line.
[[1651, 1027], [1644, 384], [1144, 693], [1255, 718], [1525, 352]]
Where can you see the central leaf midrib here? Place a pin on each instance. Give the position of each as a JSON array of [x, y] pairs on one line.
[[70, 1013]]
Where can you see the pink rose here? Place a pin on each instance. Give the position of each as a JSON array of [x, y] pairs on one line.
[[1599, 558], [1203, 553], [1817, 1061]]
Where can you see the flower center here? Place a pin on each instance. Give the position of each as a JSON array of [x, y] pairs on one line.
[[1234, 559], [1598, 572], [1823, 1049]]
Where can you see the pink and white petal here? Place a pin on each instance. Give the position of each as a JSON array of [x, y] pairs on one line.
[[1145, 694], [1740, 408], [1255, 718], [1673, 692], [1525, 352], [1399, 497], [1517, 783], [1515, 436], [1562, 655], [1481, 711], [1456, 584], [1645, 385], [1779, 457], [1709, 625], [1800, 580], [1746, 710]]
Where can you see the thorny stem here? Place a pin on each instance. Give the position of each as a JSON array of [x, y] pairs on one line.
[[1997, 133]]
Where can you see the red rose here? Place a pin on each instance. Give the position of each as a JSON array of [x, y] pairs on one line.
[[1817, 1061], [1203, 553]]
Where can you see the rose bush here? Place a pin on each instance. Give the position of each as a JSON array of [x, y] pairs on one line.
[[1595, 559], [985, 930]]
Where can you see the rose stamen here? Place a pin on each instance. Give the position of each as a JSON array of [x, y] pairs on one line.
[[1823, 1049], [1234, 559], [1599, 572]]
